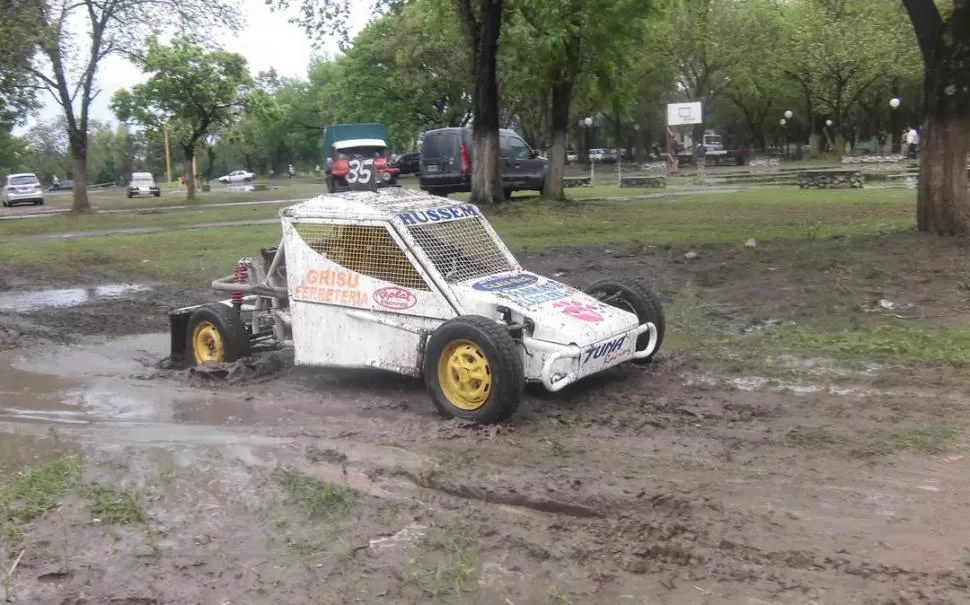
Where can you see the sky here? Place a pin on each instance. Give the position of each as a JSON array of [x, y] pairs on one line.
[[268, 40]]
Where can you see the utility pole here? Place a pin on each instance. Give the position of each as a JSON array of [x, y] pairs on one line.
[[168, 155]]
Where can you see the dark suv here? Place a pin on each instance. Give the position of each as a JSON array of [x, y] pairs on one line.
[[446, 162]]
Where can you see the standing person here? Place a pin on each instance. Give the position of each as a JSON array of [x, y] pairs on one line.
[[291, 171], [57, 183], [700, 155], [912, 139]]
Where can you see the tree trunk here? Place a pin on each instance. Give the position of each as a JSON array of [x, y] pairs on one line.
[[941, 205], [943, 201], [79, 154], [189, 176], [483, 32], [562, 97]]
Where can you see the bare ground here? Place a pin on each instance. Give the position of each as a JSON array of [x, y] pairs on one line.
[[731, 473]]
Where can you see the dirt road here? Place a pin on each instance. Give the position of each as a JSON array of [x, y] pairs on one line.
[[722, 473]]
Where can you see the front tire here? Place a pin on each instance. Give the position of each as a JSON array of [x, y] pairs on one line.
[[634, 296], [473, 371], [216, 334]]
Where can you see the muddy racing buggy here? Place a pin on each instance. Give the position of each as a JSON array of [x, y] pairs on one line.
[[405, 281]]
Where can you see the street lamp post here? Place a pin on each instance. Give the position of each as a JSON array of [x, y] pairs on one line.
[[788, 116], [588, 121], [783, 123], [895, 145], [828, 133]]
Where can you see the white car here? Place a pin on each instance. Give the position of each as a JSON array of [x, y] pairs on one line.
[[22, 188], [143, 183], [410, 282], [237, 176]]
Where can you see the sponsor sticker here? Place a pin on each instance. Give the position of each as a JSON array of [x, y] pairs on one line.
[[333, 286], [395, 297], [607, 351], [578, 310], [438, 215], [505, 282]]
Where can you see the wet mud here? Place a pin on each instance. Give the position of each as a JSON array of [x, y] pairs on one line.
[[752, 479]]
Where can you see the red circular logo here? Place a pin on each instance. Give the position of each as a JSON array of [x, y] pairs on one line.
[[393, 297]]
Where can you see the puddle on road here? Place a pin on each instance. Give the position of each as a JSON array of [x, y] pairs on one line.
[[98, 384], [71, 297]]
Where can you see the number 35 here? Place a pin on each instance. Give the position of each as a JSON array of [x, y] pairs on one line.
[[360, 171]]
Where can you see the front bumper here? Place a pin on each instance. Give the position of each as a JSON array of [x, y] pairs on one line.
[[562, 365]]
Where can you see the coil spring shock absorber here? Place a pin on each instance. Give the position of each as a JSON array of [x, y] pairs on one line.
[[239, 276]]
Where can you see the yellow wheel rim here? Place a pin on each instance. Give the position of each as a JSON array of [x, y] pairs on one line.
[[464, 375], [207, 343]]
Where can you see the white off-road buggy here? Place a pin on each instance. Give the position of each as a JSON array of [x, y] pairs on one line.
[[414, 283]]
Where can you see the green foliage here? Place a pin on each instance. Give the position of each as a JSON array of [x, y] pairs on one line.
[[112, 154], [191, 89], [839, 51]]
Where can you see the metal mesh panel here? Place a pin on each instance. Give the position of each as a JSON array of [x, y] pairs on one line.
[[461, 250], [367, 249]]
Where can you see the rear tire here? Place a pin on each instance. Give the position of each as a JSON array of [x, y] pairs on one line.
[[634, 296], [473, 371], [216, 334]]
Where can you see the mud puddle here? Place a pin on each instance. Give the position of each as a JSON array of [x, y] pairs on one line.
[[104, 384], [70, 297]]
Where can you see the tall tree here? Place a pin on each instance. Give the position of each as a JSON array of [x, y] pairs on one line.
[[481, 23], [72, 37], [191, 89], [17, 86], [943, 202], [562, 43]]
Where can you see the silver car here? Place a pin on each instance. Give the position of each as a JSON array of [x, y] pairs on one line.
[[22, 188]]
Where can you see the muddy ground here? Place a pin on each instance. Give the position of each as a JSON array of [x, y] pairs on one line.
[[719, 474]]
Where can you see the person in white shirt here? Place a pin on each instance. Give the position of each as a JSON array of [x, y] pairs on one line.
[[912, 140]]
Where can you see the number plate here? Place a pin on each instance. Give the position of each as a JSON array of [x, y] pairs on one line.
[[431, 168]]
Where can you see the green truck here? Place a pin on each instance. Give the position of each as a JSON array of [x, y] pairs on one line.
[[356, 157]]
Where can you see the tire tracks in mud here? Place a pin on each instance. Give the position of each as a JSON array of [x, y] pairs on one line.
[[682, 538]]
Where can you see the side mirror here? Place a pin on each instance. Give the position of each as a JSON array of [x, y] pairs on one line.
[[534, 154]]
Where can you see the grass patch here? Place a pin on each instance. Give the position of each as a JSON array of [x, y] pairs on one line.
[[192, 257], [448, 566], [318, 498], [167, 219], [200, 255], [114, 505], [905, 342], [929, 439], [35, 492], [921, 439]]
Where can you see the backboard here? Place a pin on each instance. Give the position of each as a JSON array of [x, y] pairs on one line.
[[679, 114]]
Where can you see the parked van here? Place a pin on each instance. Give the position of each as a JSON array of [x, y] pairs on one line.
[[446, 162]]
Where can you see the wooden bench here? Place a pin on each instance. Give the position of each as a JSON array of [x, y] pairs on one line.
[[576, 181], [831, 179], [644, 182]]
